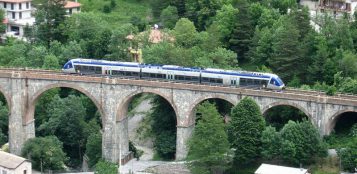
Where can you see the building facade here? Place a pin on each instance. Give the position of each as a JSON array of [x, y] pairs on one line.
[[12, 164], [19, 14]]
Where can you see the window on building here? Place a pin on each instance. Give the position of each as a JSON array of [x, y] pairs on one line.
[[20, 6], [12, 6], [70, 11], [25, 172], [27, 5], [5, 4], [15, 29], [13, 15], [78, 9], [20, 15]]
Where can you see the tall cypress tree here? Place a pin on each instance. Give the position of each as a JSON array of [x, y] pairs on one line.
[[49, 20], [245, 131], [286, 50], [209, 147], [243, 32]]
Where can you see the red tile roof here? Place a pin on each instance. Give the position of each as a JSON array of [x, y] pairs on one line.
[[15, 1], [71, 4]]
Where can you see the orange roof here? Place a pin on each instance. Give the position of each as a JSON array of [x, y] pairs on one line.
[[15, 1], [71, 4]]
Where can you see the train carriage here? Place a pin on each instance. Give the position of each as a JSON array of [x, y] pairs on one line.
[[175, 73]]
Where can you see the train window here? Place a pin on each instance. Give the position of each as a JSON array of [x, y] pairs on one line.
[[243, 81], [152, 75], [98, 70], [194, 79], [135, 73], [146, 75], [160, 76], [219, 80], [205, 79], [180, 77]]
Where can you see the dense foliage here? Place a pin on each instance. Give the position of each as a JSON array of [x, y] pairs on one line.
[[45, 153], [275, 36], [296, 143], [209, 149], [245, 131], [105, 167]]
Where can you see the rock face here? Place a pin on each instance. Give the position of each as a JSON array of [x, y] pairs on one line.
[[135, 121]]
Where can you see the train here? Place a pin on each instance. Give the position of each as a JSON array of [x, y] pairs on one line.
[[208, 76]]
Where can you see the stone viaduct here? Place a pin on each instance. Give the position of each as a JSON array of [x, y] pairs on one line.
[[22, 88]]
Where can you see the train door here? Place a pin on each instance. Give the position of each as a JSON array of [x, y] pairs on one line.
[[170, 76], [234, 81]]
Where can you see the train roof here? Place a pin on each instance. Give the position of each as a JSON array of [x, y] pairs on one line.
[[105, 62], [238, 73], [175, 67]]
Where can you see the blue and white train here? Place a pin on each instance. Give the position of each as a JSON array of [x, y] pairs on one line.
[[208, 76]]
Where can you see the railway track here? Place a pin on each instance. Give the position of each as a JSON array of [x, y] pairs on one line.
[[286, 91]]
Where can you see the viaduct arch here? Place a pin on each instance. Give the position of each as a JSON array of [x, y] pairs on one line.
[[111, 96]]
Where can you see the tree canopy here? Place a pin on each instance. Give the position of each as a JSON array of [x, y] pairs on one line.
[[209, 149]]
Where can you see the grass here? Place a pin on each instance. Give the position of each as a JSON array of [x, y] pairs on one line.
[[329, 165], [121, 13]]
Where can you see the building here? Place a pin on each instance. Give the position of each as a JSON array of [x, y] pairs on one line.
[[19, 14], [72, 7], [337, 8], [12, 164], [275, 169]]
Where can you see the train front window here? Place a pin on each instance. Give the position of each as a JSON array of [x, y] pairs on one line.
[[68, 65]]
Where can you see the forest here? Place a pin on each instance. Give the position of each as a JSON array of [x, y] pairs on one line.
[[307, 52]]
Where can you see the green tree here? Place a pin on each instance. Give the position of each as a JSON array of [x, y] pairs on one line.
[[223, 58], [271, 144], [163, 127], [50, 62], [261, 47], [169, 17], [348, 64], [105, 167], [209, 150], [245, 131], [44, 153], [66, 122], [223, 23], [201, 11], [36, 56], [242, 34], [50, 17], [283, 5], [185, 33], [157, 6], [306, 140], [2, 25], [119, 44], [94, 148], [286, 50]]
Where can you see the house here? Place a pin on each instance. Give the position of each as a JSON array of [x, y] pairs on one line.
[[12, 164], [275, 169], [19, 14], [72, 7], [337, 8]]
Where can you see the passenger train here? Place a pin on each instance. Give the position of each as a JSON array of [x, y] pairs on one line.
[[175, 73]]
